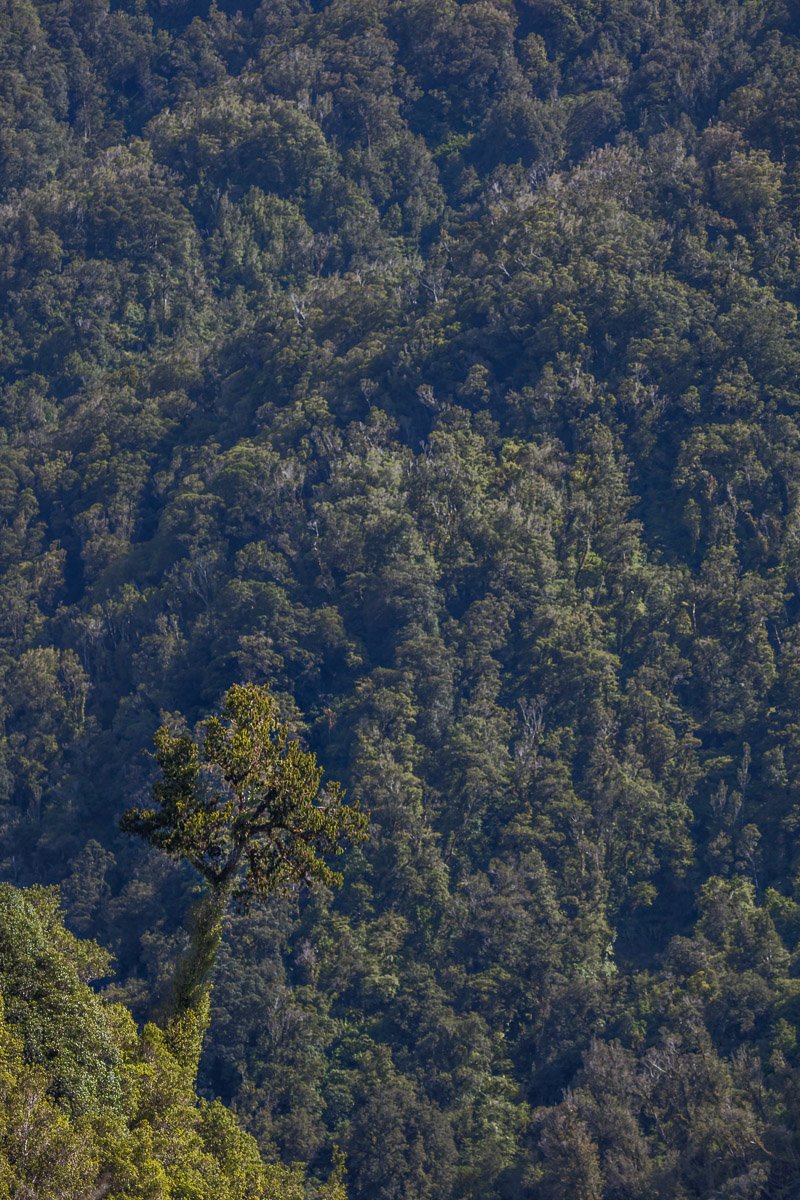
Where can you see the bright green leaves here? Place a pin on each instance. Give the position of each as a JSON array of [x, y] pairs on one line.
[[244, 805], [89, 1106], [42, 974]]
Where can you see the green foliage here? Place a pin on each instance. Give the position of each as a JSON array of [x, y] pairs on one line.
[[434, 365], [89, 1106], [244, 807]]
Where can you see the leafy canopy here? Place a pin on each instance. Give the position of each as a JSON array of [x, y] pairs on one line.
[[244, 803]]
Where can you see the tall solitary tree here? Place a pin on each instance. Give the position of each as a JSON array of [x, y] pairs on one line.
[[245, 805]]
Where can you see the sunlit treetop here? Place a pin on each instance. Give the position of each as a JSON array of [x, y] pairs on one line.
[[245, 804]]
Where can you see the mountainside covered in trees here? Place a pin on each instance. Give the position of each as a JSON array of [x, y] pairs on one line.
[[438, 365]]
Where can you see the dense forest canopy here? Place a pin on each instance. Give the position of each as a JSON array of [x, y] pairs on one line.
[[436, 365]]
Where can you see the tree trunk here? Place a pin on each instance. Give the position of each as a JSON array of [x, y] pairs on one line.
[[188, 1006], [193, 971]]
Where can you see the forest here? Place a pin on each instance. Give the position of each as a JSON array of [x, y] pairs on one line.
[[429, 368]]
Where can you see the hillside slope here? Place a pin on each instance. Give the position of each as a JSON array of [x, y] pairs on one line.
[[436, 364]]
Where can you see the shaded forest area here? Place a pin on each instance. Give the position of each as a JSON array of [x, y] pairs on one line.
[[435, 364]]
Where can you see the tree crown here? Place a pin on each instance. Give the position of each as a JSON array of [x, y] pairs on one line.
[[244, 803]]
